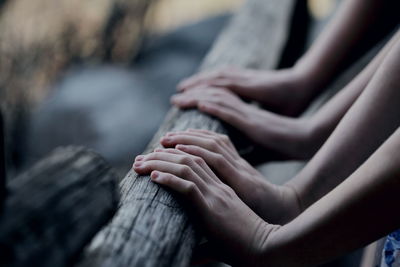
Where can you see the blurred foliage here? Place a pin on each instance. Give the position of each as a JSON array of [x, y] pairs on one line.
[[39, 38]]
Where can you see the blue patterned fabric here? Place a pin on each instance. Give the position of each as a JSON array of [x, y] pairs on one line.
[[391, 250]]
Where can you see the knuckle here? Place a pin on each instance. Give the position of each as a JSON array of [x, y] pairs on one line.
[[219, 140], [186, 160], [185, 171], [220, 160], [199, 160], [190, 188], [213, 144], [224, 138], [228, 191]]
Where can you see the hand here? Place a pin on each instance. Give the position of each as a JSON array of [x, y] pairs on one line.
[[227, 221], [286, 91], [276, 204], [293, 138]]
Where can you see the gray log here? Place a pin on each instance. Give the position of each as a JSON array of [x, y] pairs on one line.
[[54, 209], [150, 228]]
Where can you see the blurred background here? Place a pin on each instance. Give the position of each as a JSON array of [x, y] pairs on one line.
[[99, 73]]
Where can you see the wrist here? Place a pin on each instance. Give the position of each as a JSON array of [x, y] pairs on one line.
[[311, 76], [300, 88], [266, 250], [316, 135], [309, 137], [295, 138], [290, 204], [278, 204]]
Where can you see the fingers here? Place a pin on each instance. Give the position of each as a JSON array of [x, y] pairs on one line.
[[208, 78], [214, 142], [219, 163], [223, 137], [187, 138], [204, 93], [226, 114], [195, 80], [182, 171], [216, 103], [198, 165], [186, 188]]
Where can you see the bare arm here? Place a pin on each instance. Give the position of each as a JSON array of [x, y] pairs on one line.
[[324, 121], [367, 124], [340, 39], [358, 211]]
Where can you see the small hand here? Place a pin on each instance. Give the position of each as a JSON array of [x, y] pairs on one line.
[[227, 221], [282, 91], [290, 137], [276, 204]]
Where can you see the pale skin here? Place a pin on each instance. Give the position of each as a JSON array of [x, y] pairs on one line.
[[289, 91], [338, 202]]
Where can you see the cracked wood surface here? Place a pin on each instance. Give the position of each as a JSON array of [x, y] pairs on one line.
[[54, 209], [150, 228]]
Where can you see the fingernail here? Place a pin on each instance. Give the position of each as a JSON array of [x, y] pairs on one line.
[[139, 158], [166, 139], [158, 150], [154, 175], [137, 164]]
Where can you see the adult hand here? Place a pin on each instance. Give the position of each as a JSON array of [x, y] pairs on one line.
[[227, 221], [290, 137], [276, 204], [286, 91]]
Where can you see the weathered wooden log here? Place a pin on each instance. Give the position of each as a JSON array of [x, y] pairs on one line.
[[150, 227], [54, 209]]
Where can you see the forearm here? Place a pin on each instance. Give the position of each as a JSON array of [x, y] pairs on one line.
[[350, 26], [358, 211], [324, 121], [366, 125]]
